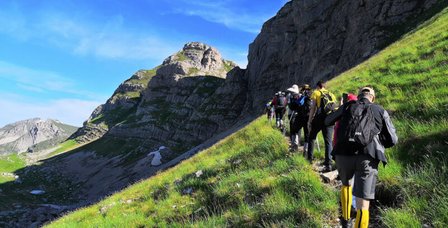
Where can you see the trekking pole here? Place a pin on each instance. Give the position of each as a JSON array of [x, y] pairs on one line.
[[317, 142]]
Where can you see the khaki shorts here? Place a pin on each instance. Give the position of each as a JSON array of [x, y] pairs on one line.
[[365, 170]]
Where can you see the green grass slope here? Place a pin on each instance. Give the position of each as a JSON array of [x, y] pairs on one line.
[[248, 179], [411, 81], [9, 164]]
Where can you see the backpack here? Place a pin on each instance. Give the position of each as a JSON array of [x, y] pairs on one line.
[[358, 124], [281, 102], [304, 105], [327, 103]]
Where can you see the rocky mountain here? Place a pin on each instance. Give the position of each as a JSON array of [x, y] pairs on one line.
[[192, 96], [33, 135], [149, 121], [310, 40]]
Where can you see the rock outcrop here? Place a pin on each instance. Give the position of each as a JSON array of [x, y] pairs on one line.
[[192, 96], [310, 40], [33, 135]]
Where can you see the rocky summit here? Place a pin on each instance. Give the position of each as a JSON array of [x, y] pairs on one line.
[[192, 96], [33, 135]]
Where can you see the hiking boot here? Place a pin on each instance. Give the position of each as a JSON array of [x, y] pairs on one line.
[[347, 223], [327, 169]]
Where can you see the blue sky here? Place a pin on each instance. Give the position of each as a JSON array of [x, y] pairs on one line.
[[60, 59]]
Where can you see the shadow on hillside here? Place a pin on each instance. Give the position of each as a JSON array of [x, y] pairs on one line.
[[414, 150]]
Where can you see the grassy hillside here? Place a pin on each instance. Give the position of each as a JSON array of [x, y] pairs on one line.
[[9, 164], [411, 81], [248, 179]]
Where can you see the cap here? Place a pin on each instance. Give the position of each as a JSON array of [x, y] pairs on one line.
[[306, 87], [366, 91]]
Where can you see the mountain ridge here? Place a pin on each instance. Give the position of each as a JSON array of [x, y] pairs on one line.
[[33, 135]]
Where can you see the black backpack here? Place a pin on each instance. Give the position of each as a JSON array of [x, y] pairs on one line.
[[304, 105], [327, 103], [281, 102], [358, 124]]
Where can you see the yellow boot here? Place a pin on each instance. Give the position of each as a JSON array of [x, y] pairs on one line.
[[346, 201], [362, 219]]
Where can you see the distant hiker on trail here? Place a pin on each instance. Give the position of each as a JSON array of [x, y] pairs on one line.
[[293, 105], [279, 102], [304, 107], [323, 103], [290, 92], [269, 110], [365, 131]]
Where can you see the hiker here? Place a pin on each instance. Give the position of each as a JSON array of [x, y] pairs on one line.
[[346, 97], [303, 114], [269, 110], [293, 106], [291, 91], [323, 103], [365, 131], [279, 102]]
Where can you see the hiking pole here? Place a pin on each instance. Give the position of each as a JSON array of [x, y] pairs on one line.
[[317, 142]]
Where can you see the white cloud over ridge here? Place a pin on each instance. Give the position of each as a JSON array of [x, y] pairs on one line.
[[69, 111], [85, 36], [224, 12], [40, 81]]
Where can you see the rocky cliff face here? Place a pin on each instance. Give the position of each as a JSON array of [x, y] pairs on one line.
[[310, 40], [192, 96], [26, 135]]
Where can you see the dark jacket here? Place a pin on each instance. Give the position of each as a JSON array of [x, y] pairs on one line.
[[386, 138]]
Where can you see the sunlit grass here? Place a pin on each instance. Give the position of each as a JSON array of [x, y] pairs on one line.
[[410, 79], [248, 179], [9, 164]]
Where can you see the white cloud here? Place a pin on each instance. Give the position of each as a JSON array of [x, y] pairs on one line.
[[85, 36], [41, 81], [70, 111], [224, 12], [108, 40], [34, 79]]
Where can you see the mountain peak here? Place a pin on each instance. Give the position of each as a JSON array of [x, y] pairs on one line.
[[21, 135], [196, 59]]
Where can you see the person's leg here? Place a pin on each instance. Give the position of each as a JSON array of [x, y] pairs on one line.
[[362, 213], [346, 170], [327, 133], [294, 134], [306, 136], [315, 128], [365, 182], [277, 117]]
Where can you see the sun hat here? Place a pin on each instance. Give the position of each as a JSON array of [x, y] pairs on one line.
[[294, 89]]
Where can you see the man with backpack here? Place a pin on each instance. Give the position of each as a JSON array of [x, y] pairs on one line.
[[364, 132], [323, 103], [279, 102], [293, 106], [304, 107]]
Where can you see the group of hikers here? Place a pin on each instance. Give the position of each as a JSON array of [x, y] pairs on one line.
[[356, 132]]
